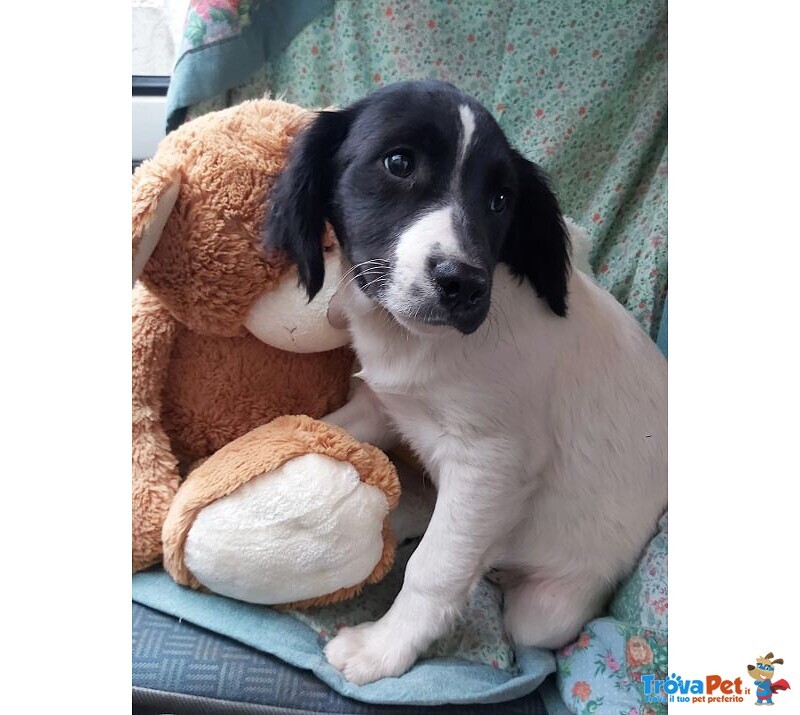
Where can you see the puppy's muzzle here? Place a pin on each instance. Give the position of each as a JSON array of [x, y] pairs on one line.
[[463, 292]]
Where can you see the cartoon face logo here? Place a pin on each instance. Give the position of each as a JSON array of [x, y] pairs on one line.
[[762, 674], [763, 669]]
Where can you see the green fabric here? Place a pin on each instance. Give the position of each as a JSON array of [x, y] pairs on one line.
[[579, 87]]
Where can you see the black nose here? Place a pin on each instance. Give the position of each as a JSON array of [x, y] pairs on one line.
[[461, 287]]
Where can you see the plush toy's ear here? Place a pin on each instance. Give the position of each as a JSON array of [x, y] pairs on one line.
[[537, 246], [155, 190], [300, 200]]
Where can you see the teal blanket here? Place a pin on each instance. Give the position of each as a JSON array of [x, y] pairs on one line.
[[475, 664]]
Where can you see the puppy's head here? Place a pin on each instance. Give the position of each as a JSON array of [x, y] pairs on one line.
[[426, 197]]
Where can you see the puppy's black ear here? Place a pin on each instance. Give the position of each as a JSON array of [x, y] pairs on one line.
[[537, 246], [299, 200]]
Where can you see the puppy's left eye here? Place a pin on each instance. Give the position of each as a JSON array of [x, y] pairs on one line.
[[399, 163], [499, 202]]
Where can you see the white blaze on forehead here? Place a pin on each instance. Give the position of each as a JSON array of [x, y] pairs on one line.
[[467, 130], [433, 233]]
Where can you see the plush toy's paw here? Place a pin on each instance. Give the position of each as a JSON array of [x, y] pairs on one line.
[[305, 529], [294, 512], [369, 652]]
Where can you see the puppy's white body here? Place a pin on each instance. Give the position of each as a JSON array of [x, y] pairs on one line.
[[545, 434], [547, 439]]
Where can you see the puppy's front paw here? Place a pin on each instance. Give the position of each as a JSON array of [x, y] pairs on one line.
[[369, 652]]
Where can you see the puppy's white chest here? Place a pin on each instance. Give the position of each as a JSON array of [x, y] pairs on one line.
[[417, 421]]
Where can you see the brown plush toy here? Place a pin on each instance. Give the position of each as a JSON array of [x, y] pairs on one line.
[[236, 482]]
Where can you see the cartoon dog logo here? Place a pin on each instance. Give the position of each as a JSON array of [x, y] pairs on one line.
[[762, 673]]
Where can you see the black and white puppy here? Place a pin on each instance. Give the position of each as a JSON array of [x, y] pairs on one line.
[[536, 403]]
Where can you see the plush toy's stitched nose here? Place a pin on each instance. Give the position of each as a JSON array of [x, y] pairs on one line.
[[461, 286]]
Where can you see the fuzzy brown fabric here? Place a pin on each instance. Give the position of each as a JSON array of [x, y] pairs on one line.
[[263, 450], [155, 467], [208, 267], [200, 380], [217, 389]]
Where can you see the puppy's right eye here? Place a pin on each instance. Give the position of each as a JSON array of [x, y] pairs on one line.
[[399, 163]]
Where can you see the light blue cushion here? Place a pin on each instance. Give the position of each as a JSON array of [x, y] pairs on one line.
[[433, 681]]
